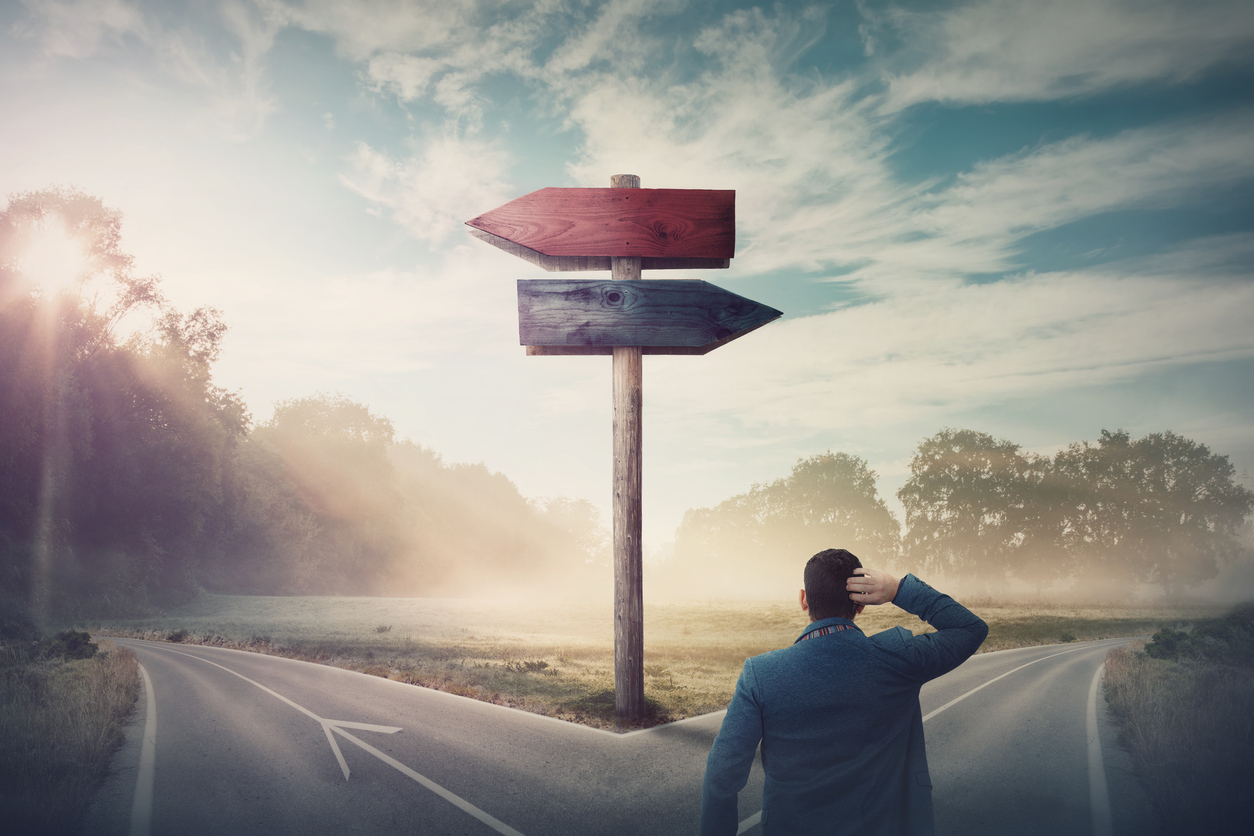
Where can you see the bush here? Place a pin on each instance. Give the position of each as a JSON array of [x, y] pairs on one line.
[[176, 636], [71, 644], [1228, 640]]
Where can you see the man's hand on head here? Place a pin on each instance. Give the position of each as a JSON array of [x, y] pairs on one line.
[[871, 586]]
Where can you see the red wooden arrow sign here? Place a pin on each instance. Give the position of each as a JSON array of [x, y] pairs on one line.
[[662, 316], [652, 223]]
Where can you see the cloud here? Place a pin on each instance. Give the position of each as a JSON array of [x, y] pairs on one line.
[[446, 180], [975, 225], [237, 99], [1034, 50], [75, 29], [408, 77], [613, 38], [815, 188], [793, 148], [919, 357], [365, 28]]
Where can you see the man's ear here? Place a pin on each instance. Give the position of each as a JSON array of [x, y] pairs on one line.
[[859, 610], [805, 605]]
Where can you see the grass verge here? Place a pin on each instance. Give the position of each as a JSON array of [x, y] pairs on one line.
[[558, 658], [60, 722], [1184, 705]]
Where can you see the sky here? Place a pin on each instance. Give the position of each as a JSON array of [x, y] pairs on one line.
[[1031, 218]]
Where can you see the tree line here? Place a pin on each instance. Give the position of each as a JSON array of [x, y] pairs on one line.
[[1107, 516], [128, 478]]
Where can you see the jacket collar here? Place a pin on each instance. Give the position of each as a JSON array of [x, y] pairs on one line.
[[838, 623]]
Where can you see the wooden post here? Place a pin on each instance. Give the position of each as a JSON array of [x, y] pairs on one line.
[[628, 581]]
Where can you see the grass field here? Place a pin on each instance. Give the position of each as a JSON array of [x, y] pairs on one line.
[[558, 658]]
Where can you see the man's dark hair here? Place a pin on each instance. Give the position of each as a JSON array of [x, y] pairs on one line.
[[825, 578]]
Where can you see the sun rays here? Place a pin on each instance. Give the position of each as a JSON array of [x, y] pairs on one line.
[[54, 260]]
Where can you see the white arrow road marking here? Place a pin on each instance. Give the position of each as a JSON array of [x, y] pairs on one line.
[[338, 726], [329, 725]]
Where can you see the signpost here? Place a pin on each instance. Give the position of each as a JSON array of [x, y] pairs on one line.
[[624, 229]]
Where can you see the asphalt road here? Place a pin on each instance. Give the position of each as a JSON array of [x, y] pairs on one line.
[[242, 743]]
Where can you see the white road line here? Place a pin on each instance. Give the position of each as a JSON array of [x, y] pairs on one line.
[[1099, 796], [336, 726], [749, 823], [141, 808], [957, 700]]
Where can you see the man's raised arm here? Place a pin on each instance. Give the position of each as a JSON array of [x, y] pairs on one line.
[[959, 632]]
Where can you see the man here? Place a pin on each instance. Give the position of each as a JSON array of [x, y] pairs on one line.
[[837, 713]]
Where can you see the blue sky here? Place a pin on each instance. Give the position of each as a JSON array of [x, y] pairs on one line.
[[1028, 218]]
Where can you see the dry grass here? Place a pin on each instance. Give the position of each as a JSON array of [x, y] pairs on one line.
[[1189, 727], [1037, 623], [557, 658], [60, 722]]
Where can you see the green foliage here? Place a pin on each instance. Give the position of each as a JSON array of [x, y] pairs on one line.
[[1160, 509], [972, 510], [112, 452], [71, 644], [1228, 640], [176, 636]]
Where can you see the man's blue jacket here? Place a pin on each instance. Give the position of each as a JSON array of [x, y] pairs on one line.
[[839, 721]]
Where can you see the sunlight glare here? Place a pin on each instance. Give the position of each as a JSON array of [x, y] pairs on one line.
[[54, 260]]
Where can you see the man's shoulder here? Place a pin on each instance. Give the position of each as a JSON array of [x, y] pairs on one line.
[[892, 638], [779, 656]]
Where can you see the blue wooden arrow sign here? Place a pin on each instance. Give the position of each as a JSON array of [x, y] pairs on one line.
[[665, 316]]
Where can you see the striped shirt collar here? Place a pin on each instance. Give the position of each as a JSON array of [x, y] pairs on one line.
[[826, 627]]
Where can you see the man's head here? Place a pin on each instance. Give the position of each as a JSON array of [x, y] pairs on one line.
[[825, 595]]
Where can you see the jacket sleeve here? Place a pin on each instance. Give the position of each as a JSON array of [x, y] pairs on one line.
[[731, 758], [959, 632]]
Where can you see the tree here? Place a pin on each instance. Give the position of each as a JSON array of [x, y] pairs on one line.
[[113, 452], [1159, 509], [829, 500], [577, 544], [971, 508]]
